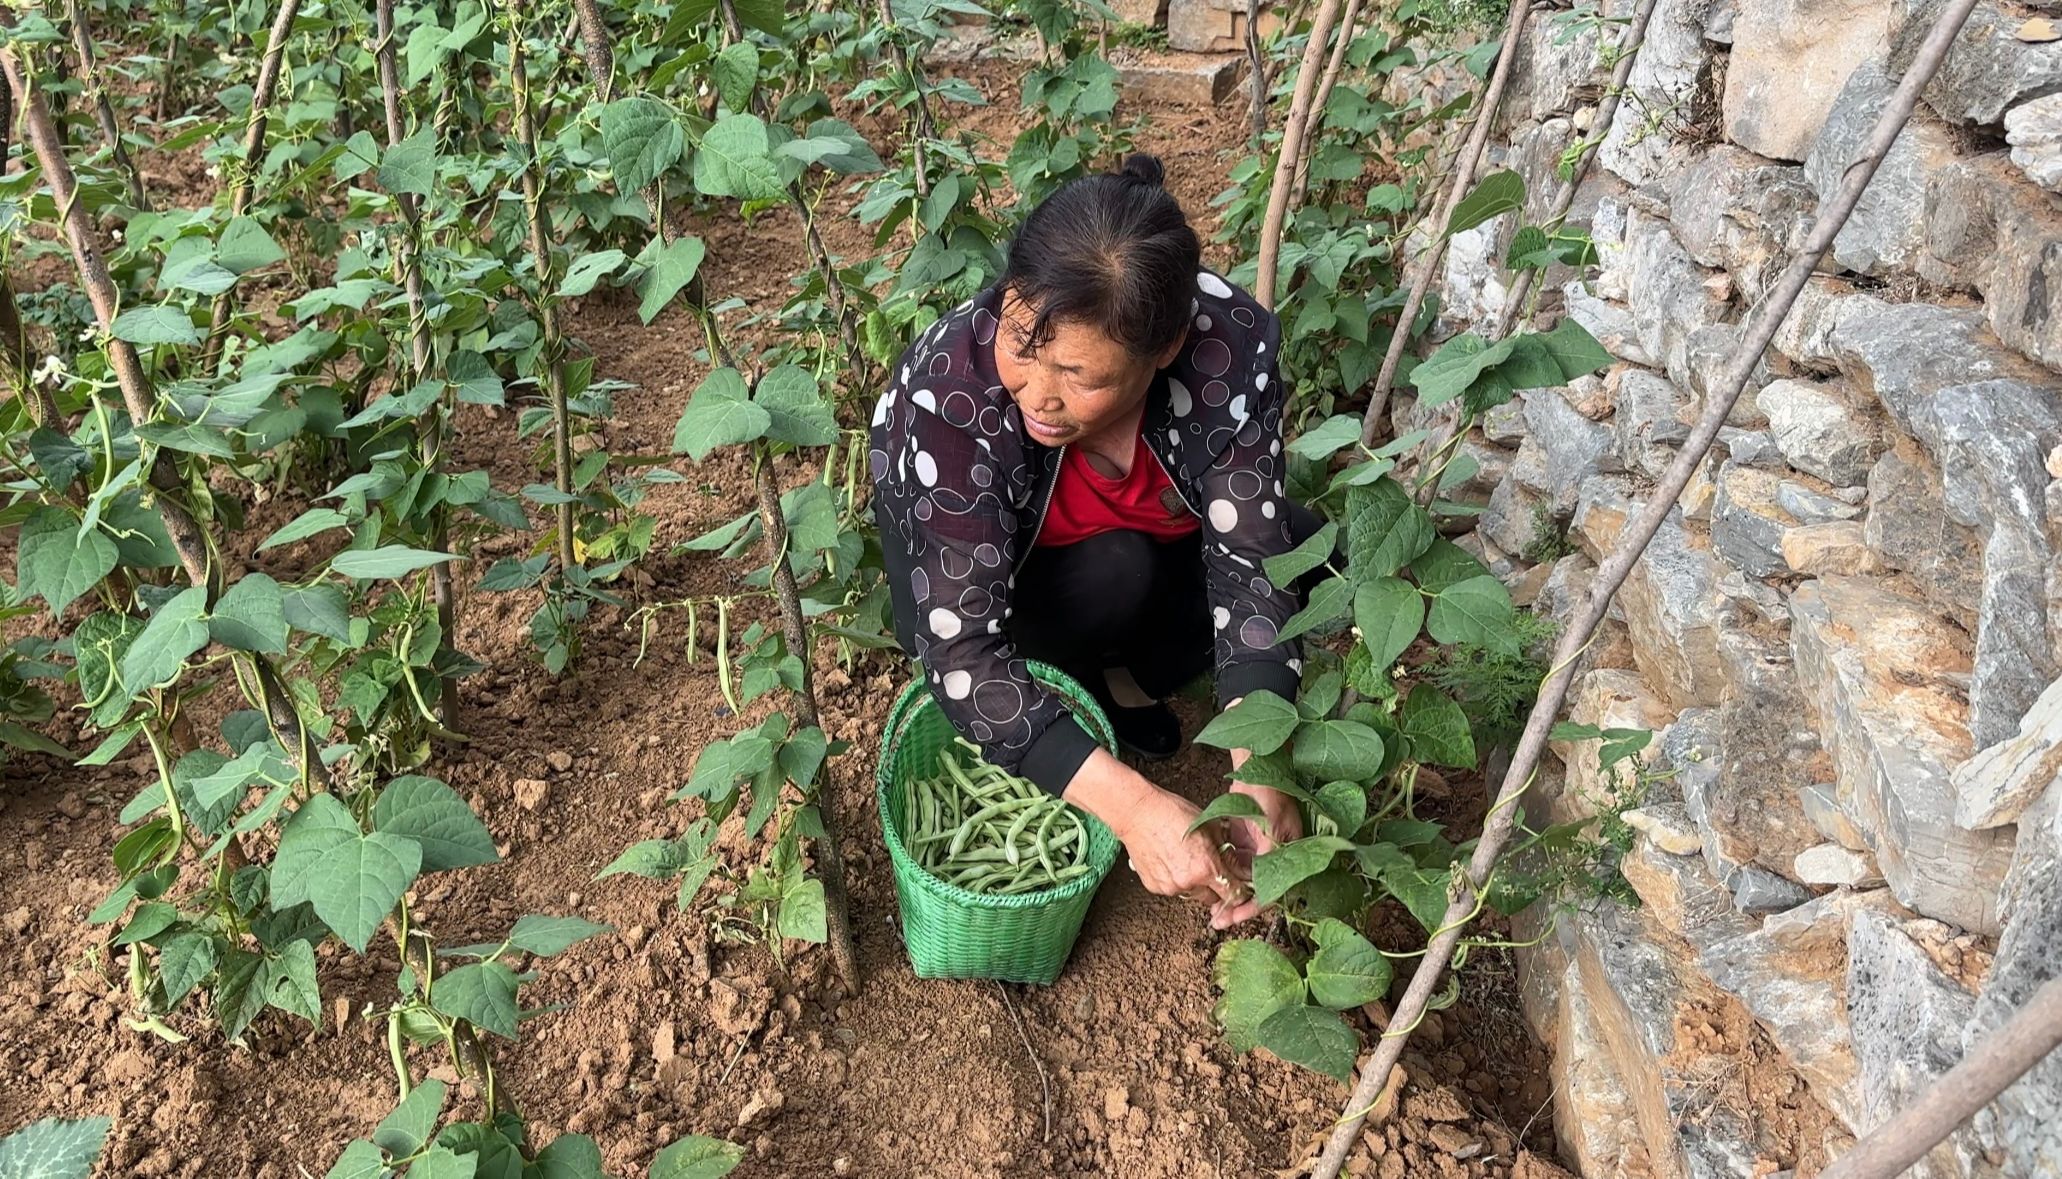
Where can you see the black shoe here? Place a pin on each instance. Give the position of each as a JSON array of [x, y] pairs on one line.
[[1152, 731]]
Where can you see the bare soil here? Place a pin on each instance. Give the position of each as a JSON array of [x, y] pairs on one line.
[[658, 1029]]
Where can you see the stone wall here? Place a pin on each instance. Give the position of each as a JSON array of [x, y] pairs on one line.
[[1849, 632]]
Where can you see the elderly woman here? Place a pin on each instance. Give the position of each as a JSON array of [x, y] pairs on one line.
[[1083, 465]]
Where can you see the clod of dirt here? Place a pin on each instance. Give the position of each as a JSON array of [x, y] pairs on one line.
[[764, 1103], [738, 1007], [72, 806], [560, 760], [531, 793], [1455, 1141], [1116, 1103], [663, 1043]]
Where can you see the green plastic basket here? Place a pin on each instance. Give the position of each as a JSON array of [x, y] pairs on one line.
[[953, 933]]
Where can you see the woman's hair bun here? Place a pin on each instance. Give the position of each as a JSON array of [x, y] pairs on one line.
[[1143, 168]]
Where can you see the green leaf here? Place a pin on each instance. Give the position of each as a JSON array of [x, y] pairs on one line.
[[589, 269], [545, 934], [320, 610], [441, 1162], [1228, 806], [852, 155], [1422, 891], [238, 997], [735, 71], [245, 246], [1314, 1038], [474, 377], [197, 273], [643, 139], [483, 994], [1574, 349], [1530, 366], [1494, 195], [251, 616], [802, 913], [1259, 723], [1385, 530], [719, 414], [312, 522], [1443, 565], [1256, 981], [1458, 363], [696, 1157], [353, 880], [28, 739], [1435, 730], [1347, 971], [437, 820], [1529, 249], [1389, 612], [177, 630], [289, 982], [388, 561], [1328, 438], [410, 166], [1328, 603], [672, 268], [166, 323], [53, 1149], [734, 159], [1335, 749], [1276, 872], [183, 962], [568, 1156], [1477, 611], [1346, 803], [1285, 568], [58, 560], [800, 415], [409, 1127]]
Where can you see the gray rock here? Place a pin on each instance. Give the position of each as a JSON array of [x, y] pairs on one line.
[[1670, 93], [1990, 229], [1757, 890], [1988, 68], [1669, 600], [2026, 1120], [1822, 806], [1552, 74], [1805, 335], [1650, 422], [2034, 132], [1907, 1020], [1505, 425], [1789, 60], [1886, 229], [1995, 786], [1752, 448], [1571, 448], [1809, 507], [1710, 356], [1517, 518], [1822, 429], [1747, 524], [1831, 864], [1832, 547], [1909, 351], [1909, 528], [1725, 816], [1473, 278], [1877, 669], [1767, 751], [1668, 825], [1735, 210], [1670, 295], [1611, 324]]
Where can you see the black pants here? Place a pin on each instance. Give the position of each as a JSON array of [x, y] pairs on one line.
[[1119, 599]]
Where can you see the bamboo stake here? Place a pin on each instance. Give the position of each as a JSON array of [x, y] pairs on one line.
[[1984, 1072], [1257, 81], [269, 70], [1293, 131], [1613, 571], [1428, 262], [429, 428], [103, 110], [925, 129], [547, 312], [1316, 117]]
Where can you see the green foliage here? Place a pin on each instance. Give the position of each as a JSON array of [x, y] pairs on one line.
[[53, 1149]]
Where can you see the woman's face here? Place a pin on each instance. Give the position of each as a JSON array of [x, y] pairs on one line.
[[1077, 384]]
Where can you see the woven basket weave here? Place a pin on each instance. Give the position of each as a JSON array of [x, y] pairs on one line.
[[953, 933]]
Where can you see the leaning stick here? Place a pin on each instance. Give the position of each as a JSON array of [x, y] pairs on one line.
[[1428, 262], [1293, 131], [1316, 116], [269, 70], [1256, 79], [103, 110], [1611, 574], [926, 130]]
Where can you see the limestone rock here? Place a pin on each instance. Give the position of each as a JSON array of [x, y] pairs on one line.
[[1822, 807], [1751, 448], [1988, 68], [1200, 79], [1989, 228], [1735, 210], [2034, 132], [1837, 547], [1516, 518], [1877, 669], [1682, 895], [1668, 826], [1552, 72], [1650, 422], [1472, 281], [1789, 61], [1710, 355], [1669, 599], [1571, 447], [1822, 430], [1505, 425], [1758, 890], [1728, 813], [1594, 1117], [1668, 293], [1907, 1020], [1887, 226], [1907, 352], [1831, 864], [1601, 511], [1672, 73], [1747, 524], [1767, 752], [1908, 527], [1213, 26], [1808, 506], [1611, 324], [1609, 698], [1992, 788]]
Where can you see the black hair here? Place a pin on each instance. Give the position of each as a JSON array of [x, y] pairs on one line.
[[1113, 252]]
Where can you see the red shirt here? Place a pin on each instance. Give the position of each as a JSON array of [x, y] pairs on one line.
[[1088, 503]]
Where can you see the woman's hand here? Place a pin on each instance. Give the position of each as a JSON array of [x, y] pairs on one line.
[[1153, 825], [1283, 820]]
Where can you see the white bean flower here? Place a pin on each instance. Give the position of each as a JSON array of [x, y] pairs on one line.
[[51, 371]]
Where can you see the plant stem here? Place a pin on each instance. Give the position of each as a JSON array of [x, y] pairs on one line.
[[594, 46], [1316, 116], [550, 358], [1257, 80], [1428, 261], [1293, 130], [926, 130], [1612, 572], [103, 110], [253, 151], [429, 428]]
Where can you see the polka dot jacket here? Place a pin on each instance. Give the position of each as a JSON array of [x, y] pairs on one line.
[[960, 492]]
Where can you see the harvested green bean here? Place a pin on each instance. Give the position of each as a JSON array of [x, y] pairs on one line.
[[977, 827]]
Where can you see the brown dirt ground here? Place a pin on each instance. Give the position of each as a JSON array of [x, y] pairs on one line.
[[657, 1030]]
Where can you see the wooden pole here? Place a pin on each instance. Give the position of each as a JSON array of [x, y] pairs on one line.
[[1293, 130], [246, 184], [1316, 116], [103, 110], [1611, 574]]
